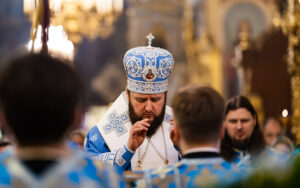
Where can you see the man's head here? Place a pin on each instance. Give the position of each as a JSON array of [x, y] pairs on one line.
[[198, 112], [241, 126], [151, 107], [272, 129], [148, 69], [240, 121], [39, 96]]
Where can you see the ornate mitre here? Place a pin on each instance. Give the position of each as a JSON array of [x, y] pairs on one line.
[[148, 68]]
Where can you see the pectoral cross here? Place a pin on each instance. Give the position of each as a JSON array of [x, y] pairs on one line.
[[150, 37], [166, 161]]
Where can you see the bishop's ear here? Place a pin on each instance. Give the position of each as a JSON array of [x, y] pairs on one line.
[[127, 94]]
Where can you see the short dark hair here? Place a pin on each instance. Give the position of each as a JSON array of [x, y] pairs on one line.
[[198, 110], [257, 143], [38, 96]]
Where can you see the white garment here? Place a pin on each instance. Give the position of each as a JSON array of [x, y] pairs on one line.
[[114, 127]]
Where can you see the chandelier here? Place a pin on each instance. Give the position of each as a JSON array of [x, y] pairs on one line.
[[89, 18], [58, 43]]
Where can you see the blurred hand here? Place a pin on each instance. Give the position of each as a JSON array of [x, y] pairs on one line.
[[137, 134]]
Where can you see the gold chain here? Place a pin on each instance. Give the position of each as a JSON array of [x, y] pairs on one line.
[[141, 158], [166, 161]]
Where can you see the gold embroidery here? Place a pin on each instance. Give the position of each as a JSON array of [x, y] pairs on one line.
[[163, 182], [185, 179], [205, 178], [162, 171], [191, 168], [217, 166]]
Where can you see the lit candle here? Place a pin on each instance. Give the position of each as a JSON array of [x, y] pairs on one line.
[[58, 43], [29, 6], [109, 6], [55, 5], [118, 5], [100, 6], [88, 4], [284, 114]]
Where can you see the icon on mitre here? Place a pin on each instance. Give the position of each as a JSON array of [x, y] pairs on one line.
[[149, 75]]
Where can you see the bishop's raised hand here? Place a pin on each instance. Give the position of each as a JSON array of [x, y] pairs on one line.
[[137, 134]]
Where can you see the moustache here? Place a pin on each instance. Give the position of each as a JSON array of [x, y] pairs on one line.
[[148, 113]]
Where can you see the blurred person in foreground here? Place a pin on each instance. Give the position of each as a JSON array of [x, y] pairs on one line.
[[272, 129], [275, 177], [284, 144], [134, 133], [41, 100], [243, 142], [198, 113]]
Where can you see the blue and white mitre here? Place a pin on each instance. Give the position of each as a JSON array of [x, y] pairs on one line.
[[148, 68]]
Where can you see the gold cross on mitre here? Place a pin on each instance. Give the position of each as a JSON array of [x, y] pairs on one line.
[[150, 37]]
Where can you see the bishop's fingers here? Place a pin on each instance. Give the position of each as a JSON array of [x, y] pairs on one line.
[[143, 122]]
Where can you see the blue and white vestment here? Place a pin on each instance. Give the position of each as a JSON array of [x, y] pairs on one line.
[[268, 158], [107, 140], [74, 171], [192, 172]]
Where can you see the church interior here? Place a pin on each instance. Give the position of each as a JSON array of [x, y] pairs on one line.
[[238, 47]]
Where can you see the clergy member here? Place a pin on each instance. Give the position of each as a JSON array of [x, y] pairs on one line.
[[134, 133], [198, 115]]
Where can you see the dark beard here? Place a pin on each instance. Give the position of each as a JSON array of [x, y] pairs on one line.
[[154, 124], [241, 144]]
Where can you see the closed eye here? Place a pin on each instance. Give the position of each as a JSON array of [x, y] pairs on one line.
[[155, 99], [141, 100], [245, 120], [232, 121]]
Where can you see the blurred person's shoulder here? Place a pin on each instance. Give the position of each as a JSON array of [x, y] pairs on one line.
[[276, 154], [108, 175]]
